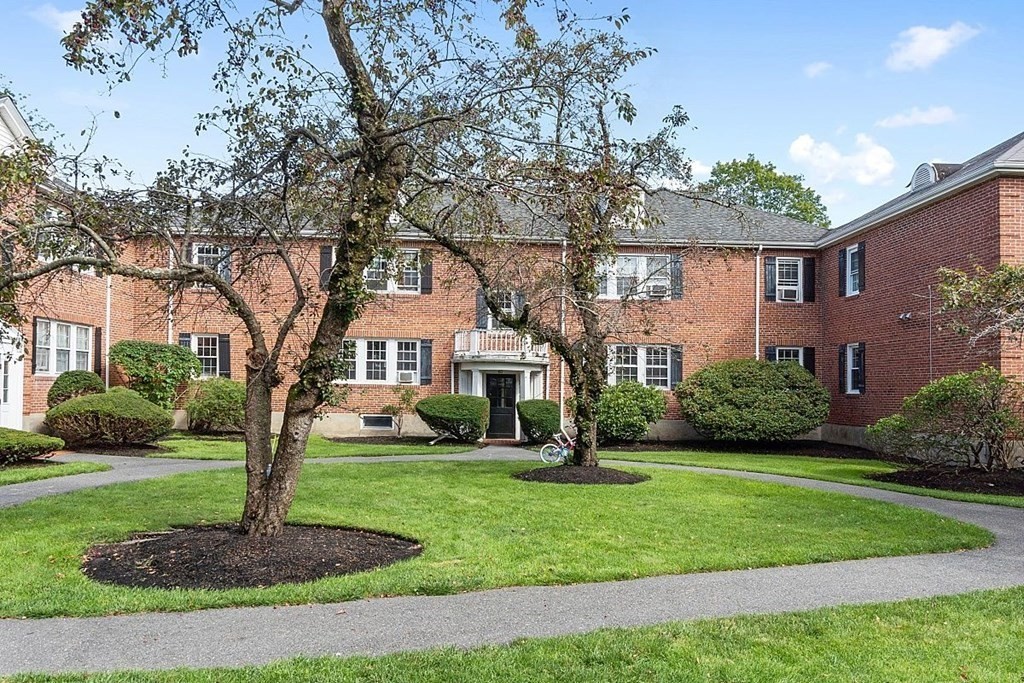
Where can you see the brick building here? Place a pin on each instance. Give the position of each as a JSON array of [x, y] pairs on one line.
[[855, 305]]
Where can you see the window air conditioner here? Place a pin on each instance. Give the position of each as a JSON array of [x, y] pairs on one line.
[[788, 293], [657, 291], [406, 377]]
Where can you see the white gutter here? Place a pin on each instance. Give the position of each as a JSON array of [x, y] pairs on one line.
[[561, 362], [106, 337], [757, 303]]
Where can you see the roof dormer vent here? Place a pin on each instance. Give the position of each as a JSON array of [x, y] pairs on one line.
[[923, 177]]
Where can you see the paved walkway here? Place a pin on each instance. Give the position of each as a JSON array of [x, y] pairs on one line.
[[256, 635]]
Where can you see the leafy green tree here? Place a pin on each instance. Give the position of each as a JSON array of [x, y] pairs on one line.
[[762, 186]]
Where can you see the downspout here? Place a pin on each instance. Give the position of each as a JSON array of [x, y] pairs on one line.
[[757, 303], [170, 301], [106, 337], [561, 361]]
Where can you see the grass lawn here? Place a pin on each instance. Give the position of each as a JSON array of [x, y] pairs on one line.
[[841, 470], [192, 448], [480, 528], [975, 637], [47, 470]]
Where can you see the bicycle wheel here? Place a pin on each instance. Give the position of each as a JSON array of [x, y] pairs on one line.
[[550, 453]]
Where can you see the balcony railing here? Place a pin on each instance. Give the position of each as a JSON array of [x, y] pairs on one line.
[[499, 345]]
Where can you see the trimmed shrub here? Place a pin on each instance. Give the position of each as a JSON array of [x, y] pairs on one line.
[[539, 419], [16, 445], [217, 405], [72, 384], [626, 411], [120, 416], [970, 418], [464, 418], [753, 400], [155, 370]]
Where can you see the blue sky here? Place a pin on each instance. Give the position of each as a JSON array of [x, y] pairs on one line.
[[853, 95]]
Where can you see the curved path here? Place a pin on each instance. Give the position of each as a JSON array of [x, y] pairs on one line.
[[256, 635]]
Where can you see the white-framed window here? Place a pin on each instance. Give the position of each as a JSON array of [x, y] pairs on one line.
[[399, 276], [62, 346], [636, 276], [789, 353], [853, 269], [216, 257], [377, 421], [207, 348], [382, 361], [789, 280], [854, 368], [648, 365], [507, 303]]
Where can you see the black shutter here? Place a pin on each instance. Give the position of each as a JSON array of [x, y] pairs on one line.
[[326, 265], [224, 265], [224, 355], [675, 266], [185, 339], [6, 257], [481, 310], [97, 354], [808, 279], [769, 354], [842, 368], [35, 331], [769, 278], [860, 262], [519, 302], [809, 360], [675, 366], [426, 361], [426, 271], [842, 272], [861, 380]]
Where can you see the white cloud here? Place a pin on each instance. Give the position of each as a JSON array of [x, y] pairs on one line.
[[699, 169], [932, 116], [869, 164], [815, 69], [921, 46], [55, 19]]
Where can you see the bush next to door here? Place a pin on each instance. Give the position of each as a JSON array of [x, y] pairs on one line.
[[217, 405], [627, 410], [72, 384], [462, 417], [155, 370], [753, 400], [16, 445], [539, 419], [120, 416]]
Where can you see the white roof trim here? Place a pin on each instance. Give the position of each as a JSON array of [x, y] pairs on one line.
[[10, 115]]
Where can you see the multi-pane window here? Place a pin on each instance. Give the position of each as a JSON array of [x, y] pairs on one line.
[[392, 361], [649, 365], [401, 275], [206, 348], [789, 281], [507, 303], [213, 256], [61, 346], [854, 368], [854, 269], [636, 276], [789, 353]]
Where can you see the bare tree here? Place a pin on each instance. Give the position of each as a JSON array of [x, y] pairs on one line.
[[328, 145]]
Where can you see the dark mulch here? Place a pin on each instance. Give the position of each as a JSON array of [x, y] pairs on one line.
[[1009, 483], [567, 474], [130, 451], [819, 449], [219, 557], [29, 464]]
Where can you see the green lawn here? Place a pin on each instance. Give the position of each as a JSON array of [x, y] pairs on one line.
[[977, 637], [841, 470], [480, 528], [48, 470], [193, 448]]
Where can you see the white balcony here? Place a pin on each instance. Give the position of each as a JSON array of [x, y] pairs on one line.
[[507, 346]]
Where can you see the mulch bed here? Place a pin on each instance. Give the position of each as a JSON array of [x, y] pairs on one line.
[[965, 480], [219, 557], [567, 474], [818, 449], [133, 451]]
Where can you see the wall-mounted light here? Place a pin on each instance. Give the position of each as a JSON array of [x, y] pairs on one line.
[[906, 316]]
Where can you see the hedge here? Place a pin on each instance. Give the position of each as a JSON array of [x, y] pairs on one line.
[[539, 419], [120, 416], [626, 411], [155, 370], [218, 405], [753, 400], [72, 384], [464, 418], [16, 445]]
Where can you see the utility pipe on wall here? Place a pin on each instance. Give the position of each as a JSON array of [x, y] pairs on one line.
[[106, 337], [757, 303]]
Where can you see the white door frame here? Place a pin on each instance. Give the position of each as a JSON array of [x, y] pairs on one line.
[[12, 379]]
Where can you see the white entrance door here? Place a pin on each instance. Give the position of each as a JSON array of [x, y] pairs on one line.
[[12, 381]]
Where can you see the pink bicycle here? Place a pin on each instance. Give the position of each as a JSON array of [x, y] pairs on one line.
[[559, 450]]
